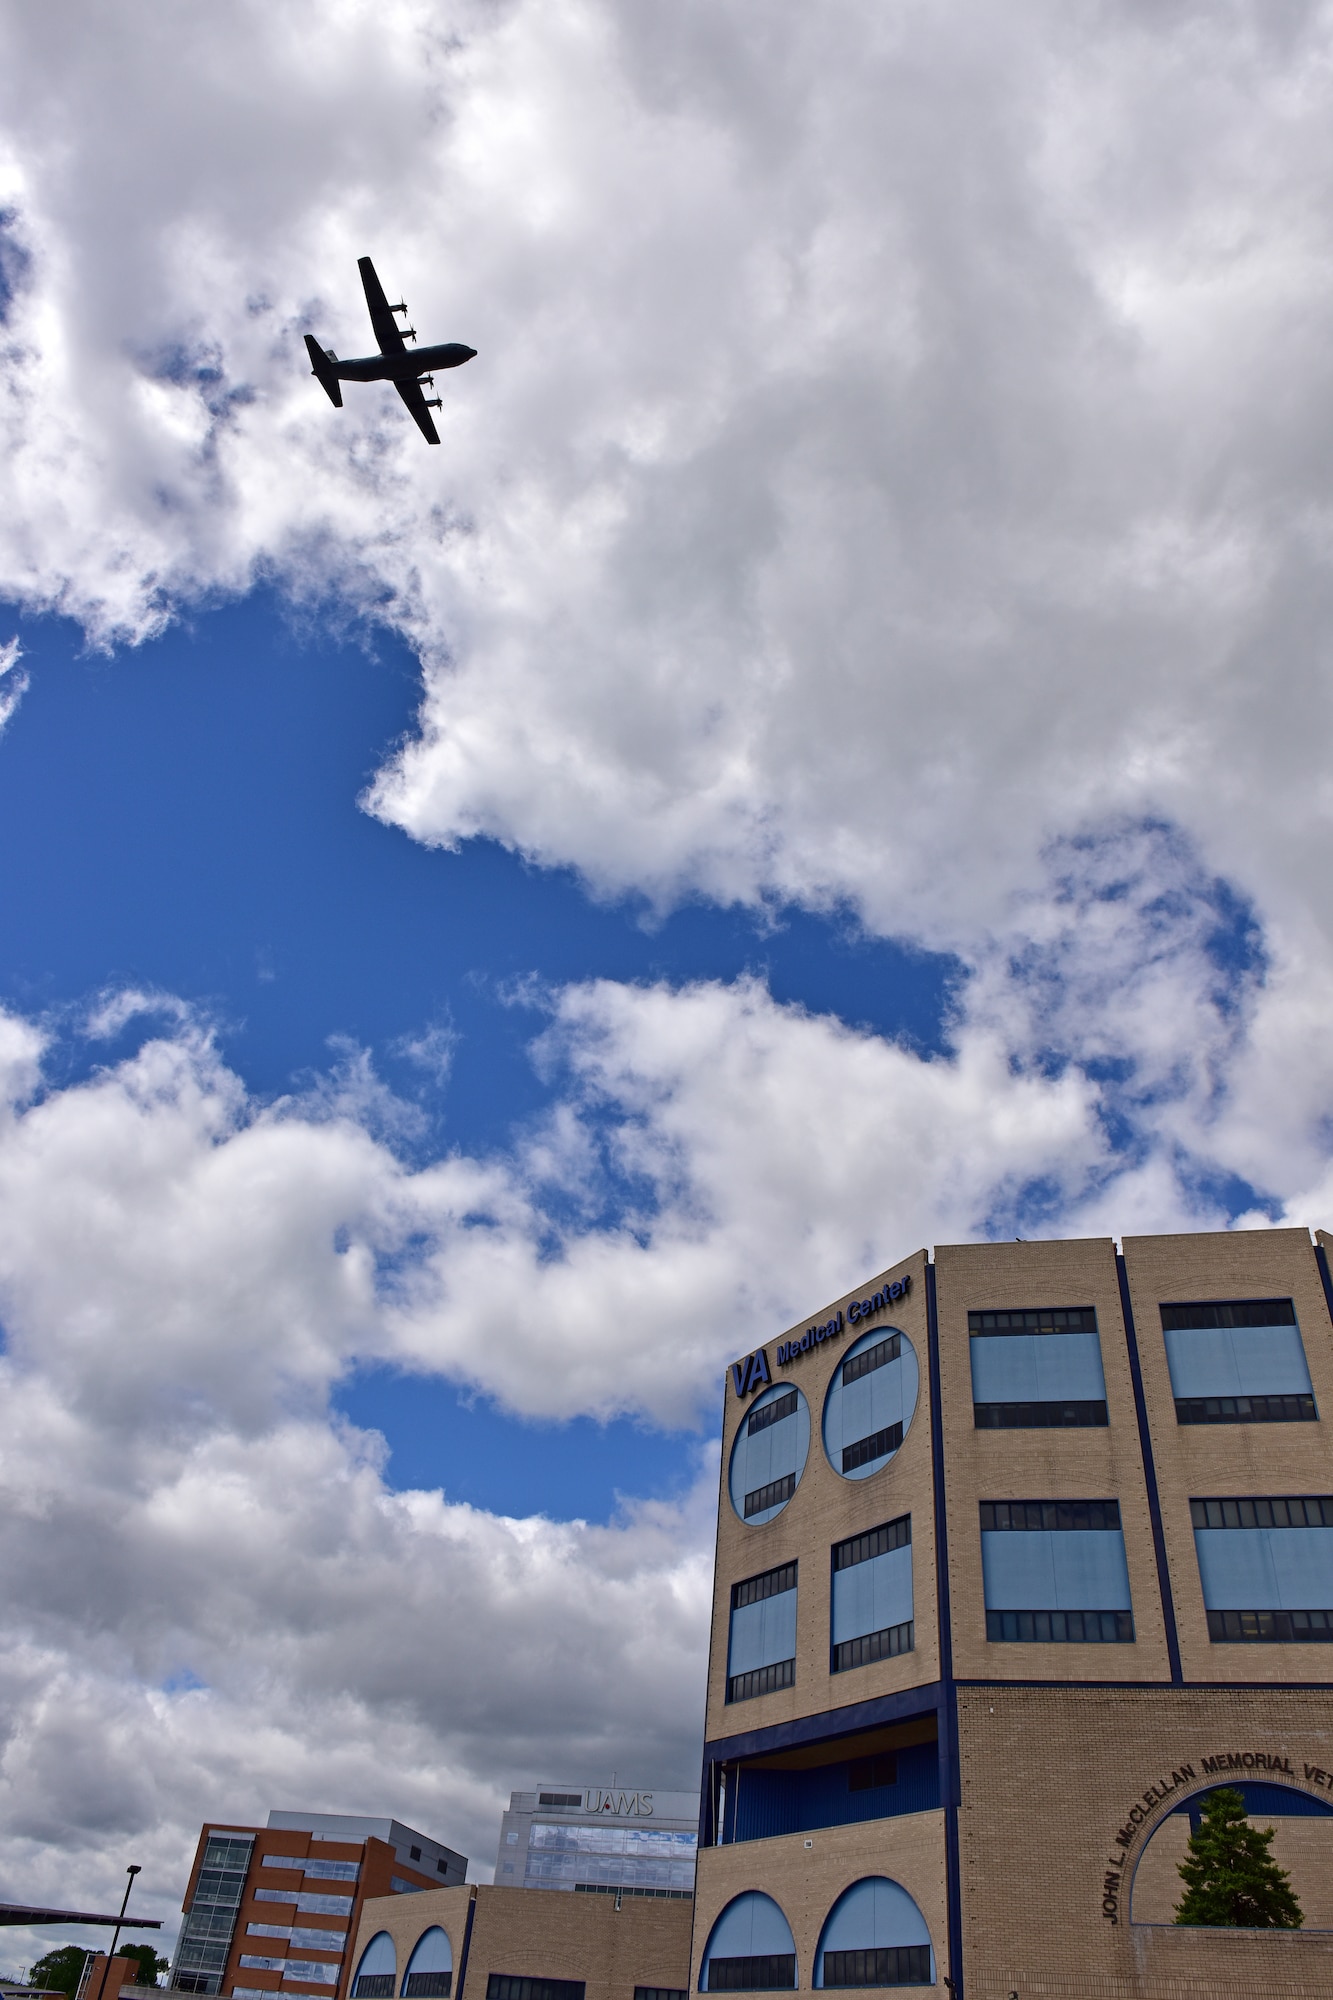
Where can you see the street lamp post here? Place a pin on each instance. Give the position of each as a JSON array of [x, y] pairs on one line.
[[133, 1870]]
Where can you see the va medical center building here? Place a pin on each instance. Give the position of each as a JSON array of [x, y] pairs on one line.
[[1020, 1552]]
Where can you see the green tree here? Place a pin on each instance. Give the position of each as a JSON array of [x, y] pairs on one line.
[[151, 1963], [60, 1969], [1229, 1875]]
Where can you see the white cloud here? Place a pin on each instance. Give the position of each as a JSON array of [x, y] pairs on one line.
[[13, 681], [893, 441]]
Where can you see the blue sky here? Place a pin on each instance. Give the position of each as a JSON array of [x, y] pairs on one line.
[[188, 815], [828, 755]]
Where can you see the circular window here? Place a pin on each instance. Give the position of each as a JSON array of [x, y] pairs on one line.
[[870, 1403], [769, 1454]]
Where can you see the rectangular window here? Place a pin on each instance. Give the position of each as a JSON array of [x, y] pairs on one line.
[[877, 1445], [1266, 1567], [375, 1986], [558, 1799], [1237, 1361], [326, 1974], [751, 1975], [428, 1986], [867, 1774], [761, 1654], [882, 1965], [878, 1356], [262, 1964], [775, 1494], [1055, 1572], [316, 1940], [771, 1413], [1038, 1368], [504, 1986], [872, 1617], [400, 1886], [661, 1993]]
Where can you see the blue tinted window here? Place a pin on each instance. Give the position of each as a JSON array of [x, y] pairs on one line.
[[769, 1454], [761, 1649], [874, 1936], [1266, 1568], [872, 1596], [1055, 1570], [1237, 1361], [870, 1403]]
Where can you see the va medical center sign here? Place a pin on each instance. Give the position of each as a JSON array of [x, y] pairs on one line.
[[754, 1372]]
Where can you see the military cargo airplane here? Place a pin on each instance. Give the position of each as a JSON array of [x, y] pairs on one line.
[[406, 367]]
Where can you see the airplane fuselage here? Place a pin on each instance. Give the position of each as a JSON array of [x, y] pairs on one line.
[[404, 367]]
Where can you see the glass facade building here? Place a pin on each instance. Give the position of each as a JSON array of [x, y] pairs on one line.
[[600, 1840]]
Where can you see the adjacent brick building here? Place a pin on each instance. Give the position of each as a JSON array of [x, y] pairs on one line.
[[270, 1909]]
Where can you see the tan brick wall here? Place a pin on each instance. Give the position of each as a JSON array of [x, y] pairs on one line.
[[1201, 1459], [1050, 1776], [544, 1934], [1041, 1464], [806, 1873], [825, 1509]]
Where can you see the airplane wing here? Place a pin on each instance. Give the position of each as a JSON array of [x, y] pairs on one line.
[[387, 331], [416, 403]]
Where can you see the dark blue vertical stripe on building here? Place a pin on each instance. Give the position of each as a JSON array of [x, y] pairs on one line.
[[948, 1708], [1321, 1259], [1149, 1476], [467, 1943]]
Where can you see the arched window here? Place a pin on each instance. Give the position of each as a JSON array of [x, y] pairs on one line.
[[874, 1936], [430, 1970], [750, 1948], [870, 1403], [769, 1454], [377, 1973]]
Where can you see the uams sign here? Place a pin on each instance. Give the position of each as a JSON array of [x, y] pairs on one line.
[[625, 1805]]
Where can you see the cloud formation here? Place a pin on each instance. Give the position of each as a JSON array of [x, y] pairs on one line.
[[892, 442]]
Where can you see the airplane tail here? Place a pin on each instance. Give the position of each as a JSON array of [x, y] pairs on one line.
[[319, 366]]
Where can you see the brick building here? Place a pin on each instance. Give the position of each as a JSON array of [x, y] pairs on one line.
[[510, 1944], [270, 1909], [1020, 1551]]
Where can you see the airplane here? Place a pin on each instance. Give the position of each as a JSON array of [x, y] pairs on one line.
[[396, 362]]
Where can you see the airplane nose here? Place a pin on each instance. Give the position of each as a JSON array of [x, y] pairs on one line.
[[471, 353]]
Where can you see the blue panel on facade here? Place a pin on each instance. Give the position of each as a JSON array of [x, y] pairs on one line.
[[1037, 1368], [873, 1915], [878, 1404], [433, 1953], [752, 1926], [762, 1634], [1237, 1361], [766, 1803], [1264, 1802], [378, 1958], [1052, 1570], [872, 1595], [768, 1458], [1266, 1569]]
